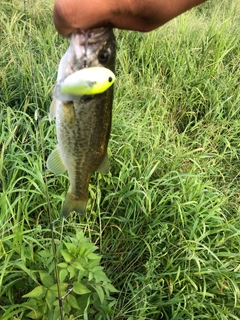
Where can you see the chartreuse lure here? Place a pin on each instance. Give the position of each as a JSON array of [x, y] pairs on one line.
[[87, 81]]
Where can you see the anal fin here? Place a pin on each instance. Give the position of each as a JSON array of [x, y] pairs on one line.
[[104, 167]]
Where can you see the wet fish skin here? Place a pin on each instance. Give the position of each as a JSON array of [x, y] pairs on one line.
[[83, 126]]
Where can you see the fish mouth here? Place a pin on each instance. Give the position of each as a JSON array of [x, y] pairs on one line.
[[92, 36]]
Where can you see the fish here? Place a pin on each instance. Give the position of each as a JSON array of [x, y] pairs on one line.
[[86, 81], [83, 122]]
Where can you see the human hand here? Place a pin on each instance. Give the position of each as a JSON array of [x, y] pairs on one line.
[[139, 15]]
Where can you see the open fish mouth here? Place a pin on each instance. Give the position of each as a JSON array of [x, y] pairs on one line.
[[73, 87], [86, 42]]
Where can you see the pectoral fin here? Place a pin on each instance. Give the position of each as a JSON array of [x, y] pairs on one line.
[[104, 167], [68, 113], [52, 113], [55, 163]]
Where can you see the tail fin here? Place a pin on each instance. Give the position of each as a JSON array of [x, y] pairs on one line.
[[71, 204]]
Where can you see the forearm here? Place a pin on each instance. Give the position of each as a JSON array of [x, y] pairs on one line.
[[151, 13]]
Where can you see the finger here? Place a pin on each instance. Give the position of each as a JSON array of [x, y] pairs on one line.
[[70, 15], [133, 23]]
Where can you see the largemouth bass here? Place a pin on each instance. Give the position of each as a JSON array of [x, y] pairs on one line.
[[83, 125]]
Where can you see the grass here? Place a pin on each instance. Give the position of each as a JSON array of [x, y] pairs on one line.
[[167, 219]]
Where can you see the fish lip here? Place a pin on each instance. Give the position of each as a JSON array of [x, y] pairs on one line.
[[92, 35]]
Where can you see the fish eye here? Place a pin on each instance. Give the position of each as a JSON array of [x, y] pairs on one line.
[[103, 56]]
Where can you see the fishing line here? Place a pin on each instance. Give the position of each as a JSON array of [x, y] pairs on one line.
[[28, 28], [85, 48]]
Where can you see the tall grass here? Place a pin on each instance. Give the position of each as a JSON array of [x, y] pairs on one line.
[[166, 220]]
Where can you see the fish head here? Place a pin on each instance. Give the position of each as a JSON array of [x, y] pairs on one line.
[[93, 48]]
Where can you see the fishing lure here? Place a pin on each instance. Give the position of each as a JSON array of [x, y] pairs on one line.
[[87, 81]]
